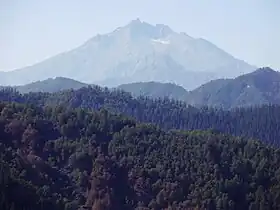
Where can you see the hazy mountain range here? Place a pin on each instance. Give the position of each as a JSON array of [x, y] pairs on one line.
[[259, 87], [136, 52]]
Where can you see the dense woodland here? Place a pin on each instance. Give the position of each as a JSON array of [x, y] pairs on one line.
[[82, 149], [61, 158], [261, 122]]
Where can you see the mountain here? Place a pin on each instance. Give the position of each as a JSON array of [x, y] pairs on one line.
[[257, 88], [136, 52], [51, 85], [155, 90]]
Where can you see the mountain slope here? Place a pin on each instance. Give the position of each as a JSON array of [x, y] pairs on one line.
[[136, 52], [259, 87], [155, 90]]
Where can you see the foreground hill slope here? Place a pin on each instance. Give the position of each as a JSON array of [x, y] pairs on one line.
[[73, 159], [138, 52]]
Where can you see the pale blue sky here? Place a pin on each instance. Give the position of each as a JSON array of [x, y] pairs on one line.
[[33, 30]]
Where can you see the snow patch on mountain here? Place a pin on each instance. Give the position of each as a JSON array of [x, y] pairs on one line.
[[161, 41]]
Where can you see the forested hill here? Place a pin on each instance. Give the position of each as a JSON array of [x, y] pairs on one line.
[[155, 90], [252, 122], [65, 159], [257, 88], [50, 85]]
